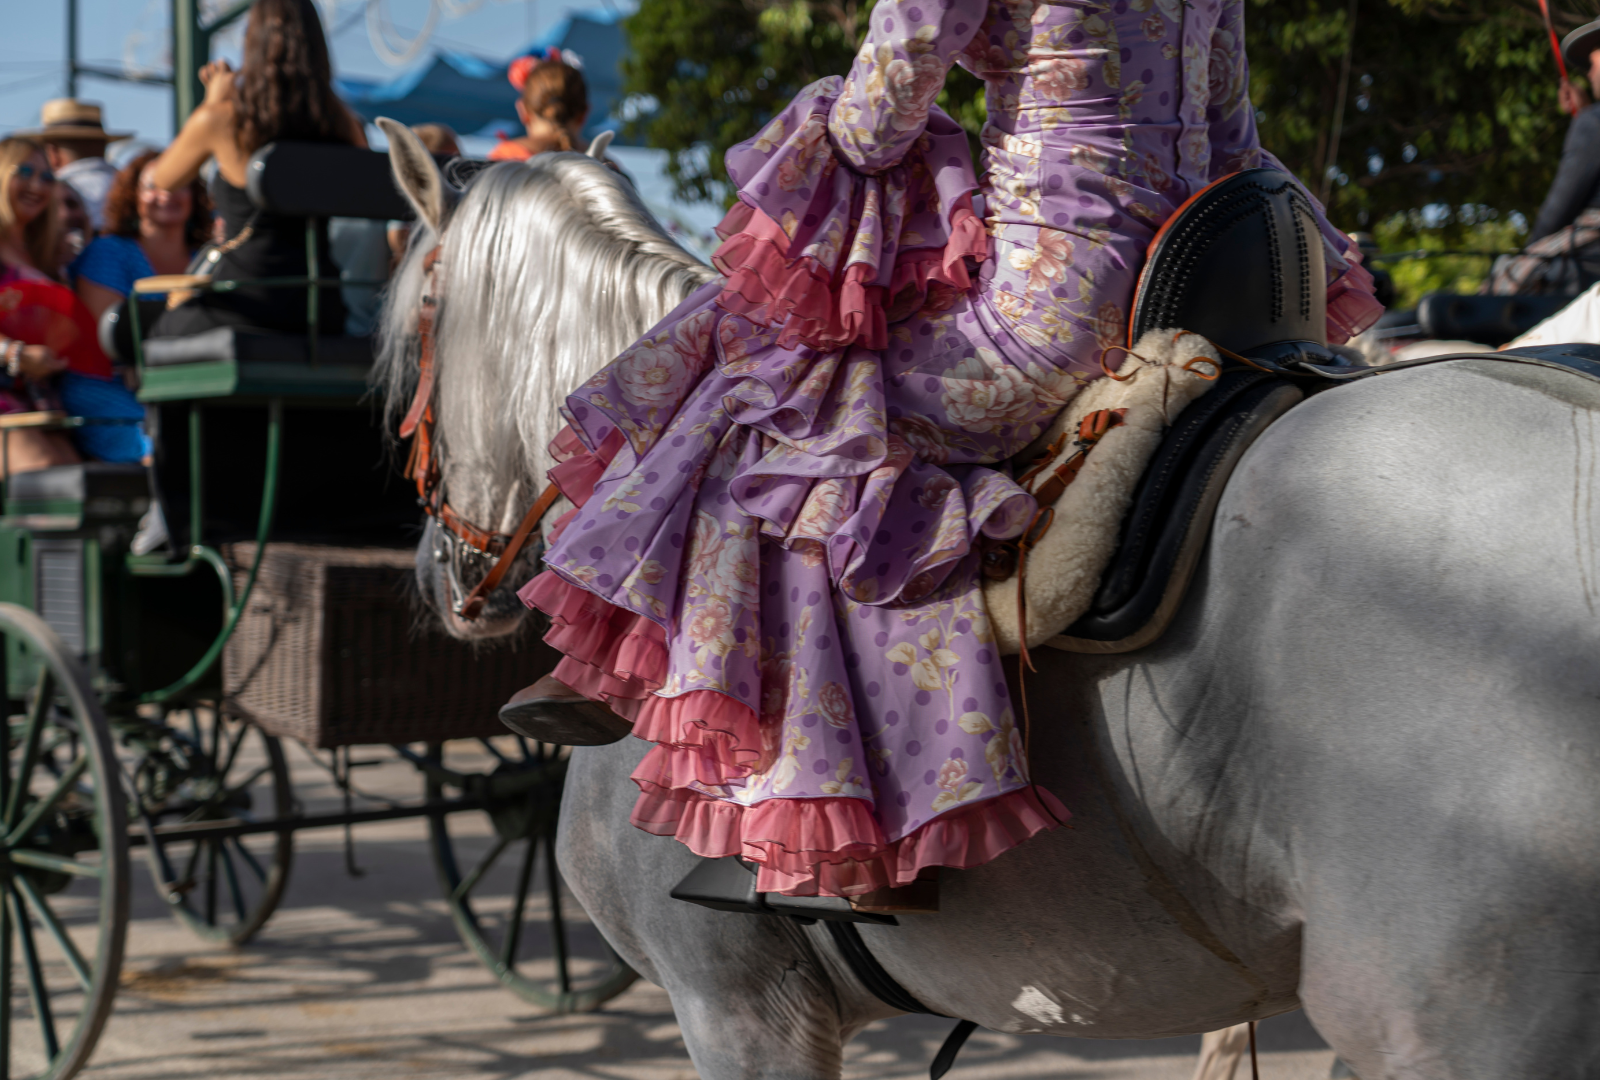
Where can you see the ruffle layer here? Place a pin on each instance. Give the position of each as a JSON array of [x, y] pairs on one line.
[[610, 654], [830, 256], [1352, 307], [833, 846], [705, 739]]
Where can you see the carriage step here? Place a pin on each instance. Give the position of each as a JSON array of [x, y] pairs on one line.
[[729, 884]]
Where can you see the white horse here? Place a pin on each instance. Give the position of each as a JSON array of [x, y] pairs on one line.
[[551, 268], [1358, 773]]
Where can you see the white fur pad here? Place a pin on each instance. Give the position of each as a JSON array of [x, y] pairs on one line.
[[1063, 569]]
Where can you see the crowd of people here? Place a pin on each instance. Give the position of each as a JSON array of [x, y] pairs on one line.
[[77, 231]]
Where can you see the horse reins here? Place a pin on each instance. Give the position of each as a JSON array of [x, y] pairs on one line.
[[423, 465]]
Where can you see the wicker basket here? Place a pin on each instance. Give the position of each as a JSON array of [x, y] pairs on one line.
[[333, 651]]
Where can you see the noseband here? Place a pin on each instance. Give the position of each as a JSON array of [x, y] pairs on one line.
[[423, 466]]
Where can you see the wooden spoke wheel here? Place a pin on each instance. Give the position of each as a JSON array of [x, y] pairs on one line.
[[504, 891], [198, 767], [63, 859]]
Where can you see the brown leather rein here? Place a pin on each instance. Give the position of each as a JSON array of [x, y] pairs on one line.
[[423, 466]]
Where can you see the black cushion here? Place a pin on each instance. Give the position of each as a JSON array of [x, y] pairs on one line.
[[246, 344], [300, 179], [80, 482], [1488, 320]]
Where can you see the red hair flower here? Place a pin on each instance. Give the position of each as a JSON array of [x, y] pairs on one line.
[[518, 72]]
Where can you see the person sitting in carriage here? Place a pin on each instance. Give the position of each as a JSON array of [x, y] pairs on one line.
[[1562, 256], [283, 90], [783, 489]]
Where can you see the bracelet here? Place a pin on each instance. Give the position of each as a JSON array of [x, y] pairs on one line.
[[14, 359]]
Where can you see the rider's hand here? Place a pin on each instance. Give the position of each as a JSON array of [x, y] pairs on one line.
[[217, 78], [40, 362], [1573, 97]]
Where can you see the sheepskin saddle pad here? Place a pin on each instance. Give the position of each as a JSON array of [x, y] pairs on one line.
[[1131, 473]]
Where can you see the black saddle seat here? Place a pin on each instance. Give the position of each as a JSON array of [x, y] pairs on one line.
[[1241, 263]]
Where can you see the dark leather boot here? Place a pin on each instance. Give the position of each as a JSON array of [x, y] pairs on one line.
[[551, 711]]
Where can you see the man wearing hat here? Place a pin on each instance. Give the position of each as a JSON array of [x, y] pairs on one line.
[[1562, 256], [75, 141]]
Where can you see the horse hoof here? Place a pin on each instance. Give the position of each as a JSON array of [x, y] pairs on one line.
[[550, 712]]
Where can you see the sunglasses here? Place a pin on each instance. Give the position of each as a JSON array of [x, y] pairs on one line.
[[26, 171]]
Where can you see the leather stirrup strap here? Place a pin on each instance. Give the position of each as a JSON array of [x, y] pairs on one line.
[[472, 606]]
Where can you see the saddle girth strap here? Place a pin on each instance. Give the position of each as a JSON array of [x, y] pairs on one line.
[[871, 974], [472, 606]]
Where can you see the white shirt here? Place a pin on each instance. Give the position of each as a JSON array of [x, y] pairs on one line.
[[91, 178]]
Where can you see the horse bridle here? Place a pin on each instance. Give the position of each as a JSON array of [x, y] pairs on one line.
[[423, 466]]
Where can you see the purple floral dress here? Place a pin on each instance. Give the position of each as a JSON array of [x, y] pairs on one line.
[[782, 487]]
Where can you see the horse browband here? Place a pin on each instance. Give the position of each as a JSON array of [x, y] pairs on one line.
[[422, 466]]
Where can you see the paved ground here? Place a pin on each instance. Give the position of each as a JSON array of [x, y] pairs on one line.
[[365, 977]]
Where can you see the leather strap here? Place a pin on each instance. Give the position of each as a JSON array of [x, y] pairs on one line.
[[424, 396], [1090, 431], [866, 968], [472, 606]]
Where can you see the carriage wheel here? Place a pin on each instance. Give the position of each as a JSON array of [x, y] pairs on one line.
[[63, 861], [197, 767], [510, 905]]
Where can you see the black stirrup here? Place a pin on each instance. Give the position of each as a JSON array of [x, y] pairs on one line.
[[1241, 263]]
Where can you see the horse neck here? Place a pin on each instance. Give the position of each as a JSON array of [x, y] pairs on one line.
[[554, 271]]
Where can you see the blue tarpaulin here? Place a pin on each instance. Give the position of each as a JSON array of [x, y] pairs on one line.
[[471, 93]]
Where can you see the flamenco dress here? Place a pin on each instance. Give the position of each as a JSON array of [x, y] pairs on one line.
[[773, 570]]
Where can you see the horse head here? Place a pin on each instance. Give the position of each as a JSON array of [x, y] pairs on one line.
[[524, 284]]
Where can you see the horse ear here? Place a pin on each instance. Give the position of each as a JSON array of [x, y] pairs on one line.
[[597, 148], [415, 173]]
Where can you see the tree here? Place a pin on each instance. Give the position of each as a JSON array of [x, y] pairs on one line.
[[715, 71], [1447, 102]]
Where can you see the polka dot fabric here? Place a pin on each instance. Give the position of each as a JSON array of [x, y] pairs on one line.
[[773, 571]]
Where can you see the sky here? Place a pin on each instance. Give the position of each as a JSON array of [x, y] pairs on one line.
[[135, 34]]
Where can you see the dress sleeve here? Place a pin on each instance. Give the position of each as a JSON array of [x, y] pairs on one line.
[[886, 101], [855, 203]]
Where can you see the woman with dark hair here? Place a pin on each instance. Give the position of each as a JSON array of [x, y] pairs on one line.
[[149, 231], [282, 91]]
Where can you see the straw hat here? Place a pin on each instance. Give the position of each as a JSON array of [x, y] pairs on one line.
[[69, 118], [1577, 46]]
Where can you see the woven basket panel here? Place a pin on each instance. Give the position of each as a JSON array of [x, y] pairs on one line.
[[333, 651]]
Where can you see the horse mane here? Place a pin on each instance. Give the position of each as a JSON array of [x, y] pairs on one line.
[[551, 268]]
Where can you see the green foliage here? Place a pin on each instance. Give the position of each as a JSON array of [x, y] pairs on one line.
[[1476, 229], [1447, 102], [720, 69]]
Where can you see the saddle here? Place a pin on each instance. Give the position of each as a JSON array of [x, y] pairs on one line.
[[1241, 265]]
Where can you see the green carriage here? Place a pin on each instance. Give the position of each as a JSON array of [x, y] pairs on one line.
[[149, 695]]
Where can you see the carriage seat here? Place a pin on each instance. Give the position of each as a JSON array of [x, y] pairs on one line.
[[83, 495], [244, 344], [1488, 320], [289, 179]]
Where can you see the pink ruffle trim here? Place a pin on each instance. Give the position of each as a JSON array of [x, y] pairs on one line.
[[804, 847], [833, 846], [1351, 306], [815, 307]]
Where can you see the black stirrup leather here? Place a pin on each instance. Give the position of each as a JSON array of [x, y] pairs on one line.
[[1241, 263]]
